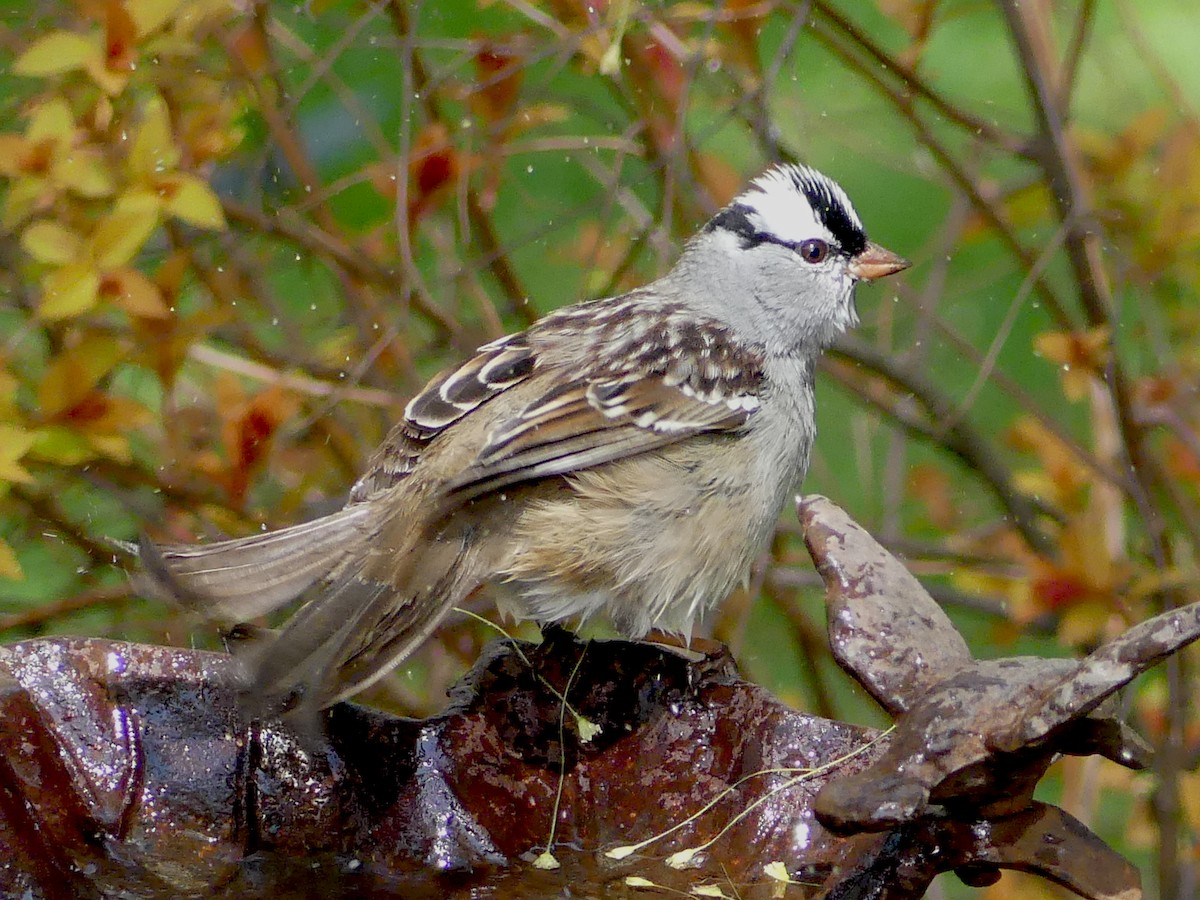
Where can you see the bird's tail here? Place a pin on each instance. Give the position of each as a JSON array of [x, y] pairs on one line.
[[238, 580], [378, 610]]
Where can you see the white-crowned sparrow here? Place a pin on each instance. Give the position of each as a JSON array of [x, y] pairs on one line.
[[629, 455]]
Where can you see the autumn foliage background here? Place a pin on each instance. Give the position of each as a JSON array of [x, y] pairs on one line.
[[235, 237]]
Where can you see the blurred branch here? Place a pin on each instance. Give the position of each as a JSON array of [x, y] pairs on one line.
[[300, 383], [1070, 68], [989, 209], [1059, 160], [43, 507], [810, 641], [792, 577], [1052, 424], [958, 436], [494, 256], [913, 82], [45, 613], [289, 226]]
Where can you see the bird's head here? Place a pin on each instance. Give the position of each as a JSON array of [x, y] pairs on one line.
[[793, 241]]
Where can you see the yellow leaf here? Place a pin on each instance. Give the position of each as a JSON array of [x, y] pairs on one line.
[[114, 446], [777, 871], [52, 119], [15, 442], [69, 291], [198, 13], [62, 445], [49, 242], [153, 151], [76, 371], [1082, 624], [139, 200], [57, 52], [151, 15], [135, 293], [709, 890], [1189, 794], [9, 566], [110, 81], [23, 197], [84, 171], [120, 235], [171, 45], [191, 199]]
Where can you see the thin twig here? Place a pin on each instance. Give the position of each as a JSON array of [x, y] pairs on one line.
[[988, 209], [300, 383], [912, 81], [960, 438]]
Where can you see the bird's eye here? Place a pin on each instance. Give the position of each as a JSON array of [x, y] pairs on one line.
[[813, 250]]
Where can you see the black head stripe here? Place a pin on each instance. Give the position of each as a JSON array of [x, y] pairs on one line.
[[832, 213], [736, 219]]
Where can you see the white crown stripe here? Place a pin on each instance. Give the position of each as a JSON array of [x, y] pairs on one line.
[[778, 206]]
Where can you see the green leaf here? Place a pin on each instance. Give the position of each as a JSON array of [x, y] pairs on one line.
[[62, 445]]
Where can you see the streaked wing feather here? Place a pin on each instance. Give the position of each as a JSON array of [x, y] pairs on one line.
[[584, 427], [448, 397]]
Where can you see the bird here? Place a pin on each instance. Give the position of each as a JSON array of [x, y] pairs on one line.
[[626, 456]]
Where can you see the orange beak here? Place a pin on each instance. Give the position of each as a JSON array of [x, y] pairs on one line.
[[876, 262]]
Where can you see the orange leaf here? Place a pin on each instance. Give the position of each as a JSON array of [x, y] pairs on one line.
[[134, 293], [498, 76], [248, 46], [1082, 356], [931, 486], [120, 38], [13, 149]]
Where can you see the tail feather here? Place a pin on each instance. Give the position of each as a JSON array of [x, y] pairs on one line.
[[233, 581], [368, 620]]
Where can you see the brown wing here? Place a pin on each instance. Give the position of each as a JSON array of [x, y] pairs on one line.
[[679, 378], [634, 377]]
